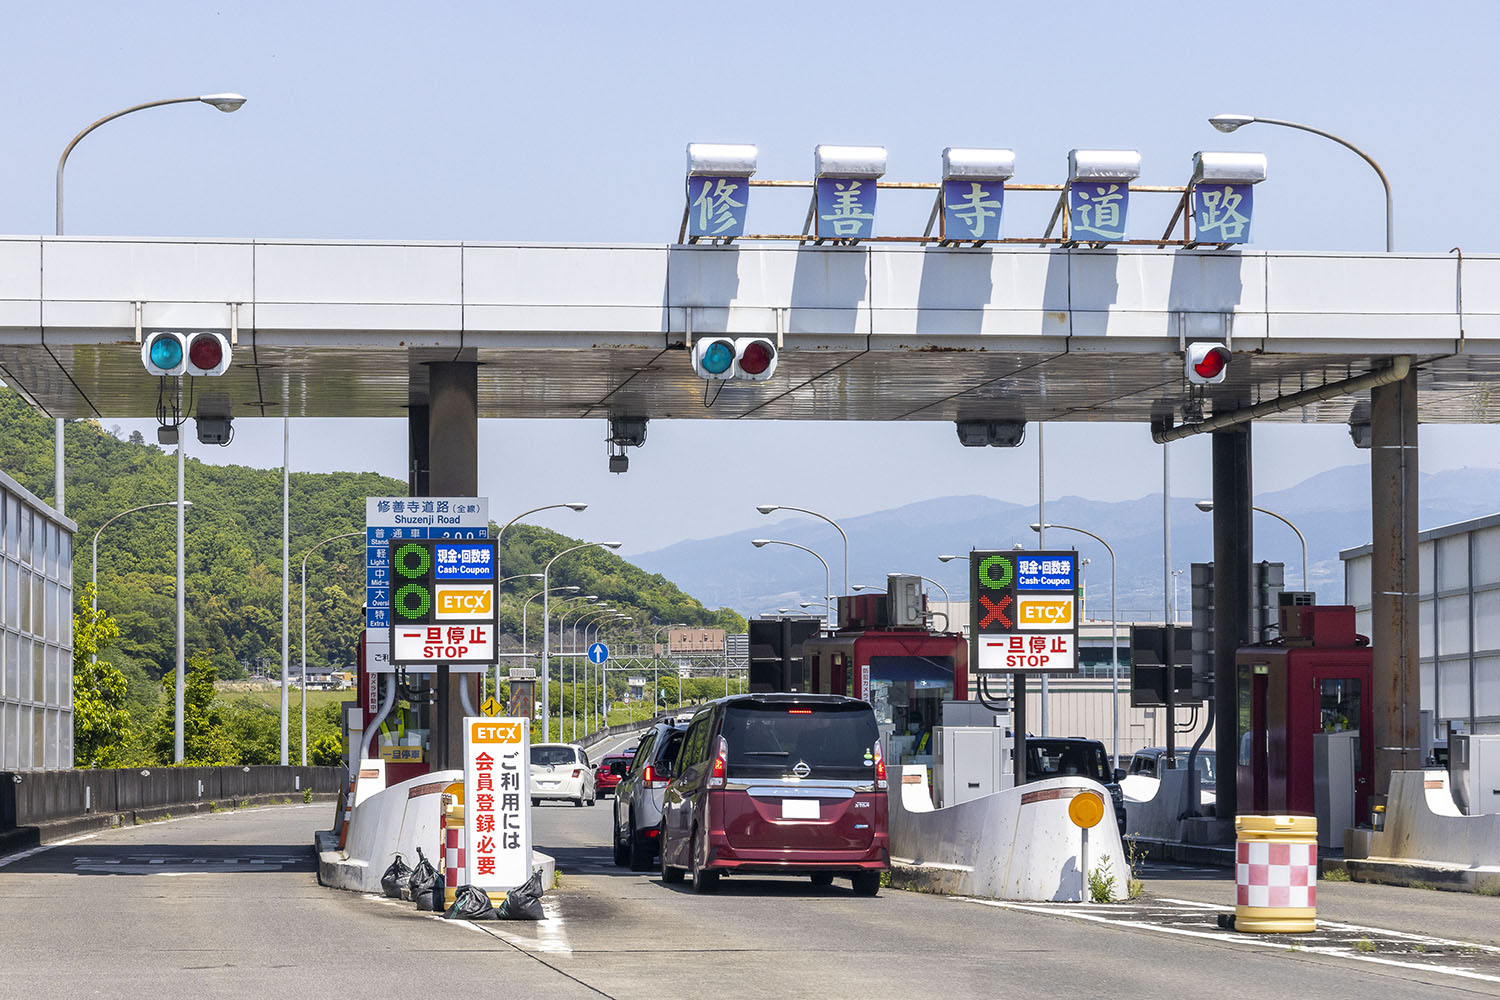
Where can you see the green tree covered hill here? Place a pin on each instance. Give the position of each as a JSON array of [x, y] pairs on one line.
[[233, 553]]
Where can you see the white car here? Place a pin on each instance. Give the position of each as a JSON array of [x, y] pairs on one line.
[[561, 771]]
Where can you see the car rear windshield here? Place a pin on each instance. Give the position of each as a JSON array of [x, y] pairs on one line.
[[770, 740], [553, 755], [1058, 760]]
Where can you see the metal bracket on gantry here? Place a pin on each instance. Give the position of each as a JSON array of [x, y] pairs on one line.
[[624, 432]]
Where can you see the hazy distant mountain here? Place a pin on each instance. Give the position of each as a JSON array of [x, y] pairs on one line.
[[1332, 509]]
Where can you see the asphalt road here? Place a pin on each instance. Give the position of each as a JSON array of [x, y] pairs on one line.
[[228, 905]]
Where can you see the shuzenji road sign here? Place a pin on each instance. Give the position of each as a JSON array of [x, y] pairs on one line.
[[1024, 606]]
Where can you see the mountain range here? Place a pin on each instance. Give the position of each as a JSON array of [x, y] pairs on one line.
[[1332, 509]]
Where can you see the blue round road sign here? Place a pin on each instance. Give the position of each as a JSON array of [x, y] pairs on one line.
[[598, 652]]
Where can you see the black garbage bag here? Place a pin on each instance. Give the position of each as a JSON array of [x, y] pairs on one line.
[[470, 903], [429, 895], [394, 878], [418, 877], [524, 902]]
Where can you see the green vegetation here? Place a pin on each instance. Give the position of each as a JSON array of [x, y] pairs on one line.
[[1102, 882], [1364, 946], [1334, 875]]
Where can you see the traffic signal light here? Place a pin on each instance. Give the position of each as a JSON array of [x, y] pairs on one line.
[[207, 354], [164, 353], [1207, 363], [185, 353], [724, 358]]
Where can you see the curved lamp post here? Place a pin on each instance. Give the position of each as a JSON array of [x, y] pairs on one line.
[[761, 543], [94, 561], [1207, 507], [500, 535], [1228, 123], [769, 508], [331, 538], [1114, 631]]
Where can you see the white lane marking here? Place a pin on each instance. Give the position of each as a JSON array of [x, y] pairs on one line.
[[1228, 937], [1361, 929], [23, 855], [551, 938]]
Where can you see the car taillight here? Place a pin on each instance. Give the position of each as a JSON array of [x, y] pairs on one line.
[[650, 777], [879, 767], [721, 761], [577, 772]]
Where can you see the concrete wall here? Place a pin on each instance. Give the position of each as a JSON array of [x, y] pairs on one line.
[[34, 798], [1014, 844]]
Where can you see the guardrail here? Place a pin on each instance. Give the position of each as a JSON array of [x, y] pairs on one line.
[[630, 727], [37, 798]]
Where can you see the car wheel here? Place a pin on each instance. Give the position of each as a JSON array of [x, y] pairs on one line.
[[866, 883], [704, 881], [823, 878], [669, 875], [640, 851], [593, 798], [621, 850], [535, 803]]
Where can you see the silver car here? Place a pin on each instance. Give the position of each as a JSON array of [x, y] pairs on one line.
[[638, 796]]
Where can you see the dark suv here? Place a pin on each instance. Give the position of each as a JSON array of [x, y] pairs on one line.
[[1063, 756], [780, 784]]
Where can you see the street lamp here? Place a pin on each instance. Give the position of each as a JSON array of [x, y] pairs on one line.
[[525, 606], [1114, 631], [950, 558], [1207, 507], [593, 615], [332, 538], [500, 535], [768, 508], [1228, 123], [761, 543], [587, 599], [94, 561], [547, 636]]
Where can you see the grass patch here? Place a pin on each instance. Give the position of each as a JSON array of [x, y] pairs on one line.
[[1488, 887], [557, 878], [307, 796], [885, 879], [1364, 946], [1102, 883], [1335, 875], [214, 807]]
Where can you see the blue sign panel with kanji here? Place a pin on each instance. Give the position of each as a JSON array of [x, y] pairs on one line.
[[1221, 212], [1097, 210], [971, 209], [845, 208], [717, 206], [461, 561]]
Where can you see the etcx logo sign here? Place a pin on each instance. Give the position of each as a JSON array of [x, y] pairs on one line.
[[994, 590]]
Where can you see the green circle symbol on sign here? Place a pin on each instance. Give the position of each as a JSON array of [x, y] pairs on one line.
[[409, 594], [404, 561], [1000, 580]]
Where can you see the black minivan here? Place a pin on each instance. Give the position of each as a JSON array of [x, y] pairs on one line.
[[782, 784]]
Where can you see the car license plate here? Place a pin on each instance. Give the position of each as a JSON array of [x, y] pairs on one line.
[[799, 809], [549, 784]]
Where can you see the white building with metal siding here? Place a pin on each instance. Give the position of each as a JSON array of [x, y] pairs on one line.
[[36, 632], [1459, 627]]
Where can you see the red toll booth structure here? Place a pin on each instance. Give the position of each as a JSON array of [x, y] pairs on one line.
[[906, 673], [1315, 679]]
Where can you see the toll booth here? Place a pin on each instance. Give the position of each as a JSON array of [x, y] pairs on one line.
[[402, 734], [1303, 698]]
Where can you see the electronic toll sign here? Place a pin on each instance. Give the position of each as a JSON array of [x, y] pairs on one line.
[[443, 602], [1024, 612]]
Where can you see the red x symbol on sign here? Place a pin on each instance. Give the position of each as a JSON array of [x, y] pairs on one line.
[[996, 612]]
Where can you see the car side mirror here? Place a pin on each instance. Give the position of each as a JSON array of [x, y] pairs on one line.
[[1119, 774]]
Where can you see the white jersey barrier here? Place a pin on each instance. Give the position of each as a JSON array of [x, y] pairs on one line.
[[395, 820], [1018, 843]]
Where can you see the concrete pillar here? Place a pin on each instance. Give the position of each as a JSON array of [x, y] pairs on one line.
[[1233, 593], [1393, 579], [453, 471]]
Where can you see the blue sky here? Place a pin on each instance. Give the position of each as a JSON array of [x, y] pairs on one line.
[[567, 123]]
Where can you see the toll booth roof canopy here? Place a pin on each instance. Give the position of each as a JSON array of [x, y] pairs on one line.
[[870, 332]]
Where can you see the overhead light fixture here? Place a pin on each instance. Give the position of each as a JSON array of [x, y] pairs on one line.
[[224, 102], [1228, 123]]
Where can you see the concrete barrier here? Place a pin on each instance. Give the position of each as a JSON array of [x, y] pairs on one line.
[[1427, 838], [391, 821], [1013, 844]]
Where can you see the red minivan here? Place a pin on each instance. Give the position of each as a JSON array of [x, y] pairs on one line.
[[778, 784]]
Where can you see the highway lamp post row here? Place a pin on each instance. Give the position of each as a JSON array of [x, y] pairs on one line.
[[761, 543], [573, 672], [498, 585], [542, 675], [599, 617], [332, 538], [770, 508], [94, 559], [656, 664], [546, 633], [500, 535], [590, 607]]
